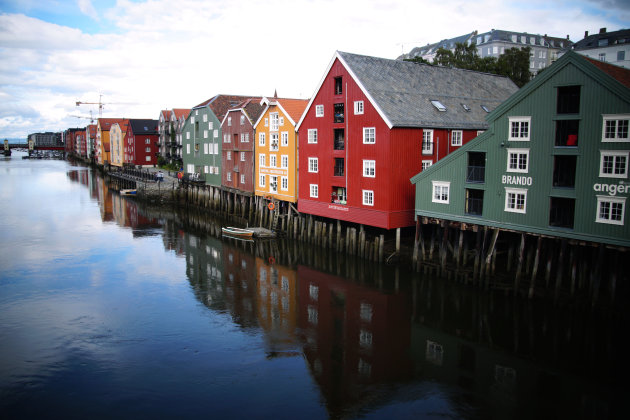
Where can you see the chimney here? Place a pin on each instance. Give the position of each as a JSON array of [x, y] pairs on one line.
[[602, 31], [585, 34]]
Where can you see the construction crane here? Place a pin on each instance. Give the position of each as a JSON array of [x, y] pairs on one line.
[[91, 117], [99, 103]]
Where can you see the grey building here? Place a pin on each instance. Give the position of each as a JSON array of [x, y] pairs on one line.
[[544, 48], [47, 139], [611, 47]]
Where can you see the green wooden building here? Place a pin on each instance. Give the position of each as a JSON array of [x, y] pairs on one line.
[[554, 161], [202, 138]]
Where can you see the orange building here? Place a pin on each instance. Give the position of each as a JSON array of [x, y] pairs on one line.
[[102, 139], [276, 149]]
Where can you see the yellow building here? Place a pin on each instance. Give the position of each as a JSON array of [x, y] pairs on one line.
[[102, 139], [276, 149], [117, 135]]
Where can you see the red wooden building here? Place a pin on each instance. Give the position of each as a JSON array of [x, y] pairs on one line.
[[142, 142], [238, 145], [373, 123]]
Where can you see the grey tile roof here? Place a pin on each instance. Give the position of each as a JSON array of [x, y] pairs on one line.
[[404, 90], [142, 126]]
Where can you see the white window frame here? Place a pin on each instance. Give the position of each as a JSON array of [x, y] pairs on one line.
[[228, 175], [313, 166], [427, 135], [242, 178], [262, 180], [616, 119], [437, 192], [369, 135], [262, 160], [274, 142], [426, 164], [228, 155], [245, 138], [457, 138], [284, 183], [284, 138], [519, 121], [601, 199], [205, 117], [369, 168], [319, 111], [242, 119], [615, 153], [314, 190], [368, 197], [312, 135], [242, 156], [284, 161], [515, 191], [274, 120], [205, 148], [358, 108], [205, 134], [261, 139], [518, 153], [273, 161], [229, 121]]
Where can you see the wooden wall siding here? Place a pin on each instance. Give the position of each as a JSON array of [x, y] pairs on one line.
[[540, 104], [291, 195], [198, 158], [236, 166]]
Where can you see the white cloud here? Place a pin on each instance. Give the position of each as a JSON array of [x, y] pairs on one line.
[[158, 54], [88, 9]]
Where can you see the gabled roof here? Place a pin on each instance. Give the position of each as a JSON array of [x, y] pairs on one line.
[[220, 104], [291, 108], [621, 74], [603, 39], [181, 112], [106, 123], [250, 107], [140, 126], [402, 92]]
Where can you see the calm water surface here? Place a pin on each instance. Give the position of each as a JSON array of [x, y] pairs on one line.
[[110, 309]]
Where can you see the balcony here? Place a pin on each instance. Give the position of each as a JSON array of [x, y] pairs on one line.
[[338, 116]]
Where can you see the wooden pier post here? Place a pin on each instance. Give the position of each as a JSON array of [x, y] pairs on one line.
[[519, 266], [532, 282]]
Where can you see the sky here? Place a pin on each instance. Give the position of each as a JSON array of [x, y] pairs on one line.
[[138, 57]]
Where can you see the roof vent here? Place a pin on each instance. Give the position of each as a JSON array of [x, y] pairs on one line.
[[438, 105], [466, 107], [485, 108]]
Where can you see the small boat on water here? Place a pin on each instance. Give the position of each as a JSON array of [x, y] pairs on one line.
[[237, 232], [127, 192]]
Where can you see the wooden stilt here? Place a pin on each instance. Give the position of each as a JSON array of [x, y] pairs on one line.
[[532, 282], [519, 266], [560, 269]]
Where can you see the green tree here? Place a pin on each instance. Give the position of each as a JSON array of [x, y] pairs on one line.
[[514, 63]]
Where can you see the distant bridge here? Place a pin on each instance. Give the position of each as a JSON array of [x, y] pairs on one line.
[[36, 147]]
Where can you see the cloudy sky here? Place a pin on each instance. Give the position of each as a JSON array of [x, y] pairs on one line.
[[142, 56]]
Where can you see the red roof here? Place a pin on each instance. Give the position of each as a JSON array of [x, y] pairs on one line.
[[294, 107], [622, 75]]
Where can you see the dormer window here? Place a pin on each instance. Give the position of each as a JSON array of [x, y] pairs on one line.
[[440, 107]]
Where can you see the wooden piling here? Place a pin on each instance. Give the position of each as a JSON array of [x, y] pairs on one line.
[[532, 282]]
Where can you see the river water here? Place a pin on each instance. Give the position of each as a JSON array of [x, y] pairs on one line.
[[110, 309]]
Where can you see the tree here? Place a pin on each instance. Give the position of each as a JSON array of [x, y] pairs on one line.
[[514, 63]]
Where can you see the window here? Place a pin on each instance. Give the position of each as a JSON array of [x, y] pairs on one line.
[[339, 167], [621, 55], [339, 139], [216, 148], [312, 165], [338, 116], [602, 57], [561, 212], [190, 168], [261, 160], [368, 198], [615, 128], [515, 200], [517, 160], [426, 164], [205, 134], [568, 100], [519, 128], [261, 139], [188, 148], [441, 192], [567, 133], [242, 156], [273, 142], [206, 169], [205, 148], [338, 85], [275, 120], [284, 138], [440, 107], [613, 164], [284, 183], [242, 179], [229, 155], [229, 121], [369, 135], [147, 141], [148, 149], [312, 135], [228, 176], [148, 159], [427, 142], [456, 138], [369, 168], [261, 180], [226, 138], [272, 161], [564, 171], [216, 134], [314, 189], [358, 107], [266, 122], [205, 117], [284, 161], [209, 124], [474, 202], [242, 119], [610, 210], [319, 110], [476, 171], [187, 135]]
